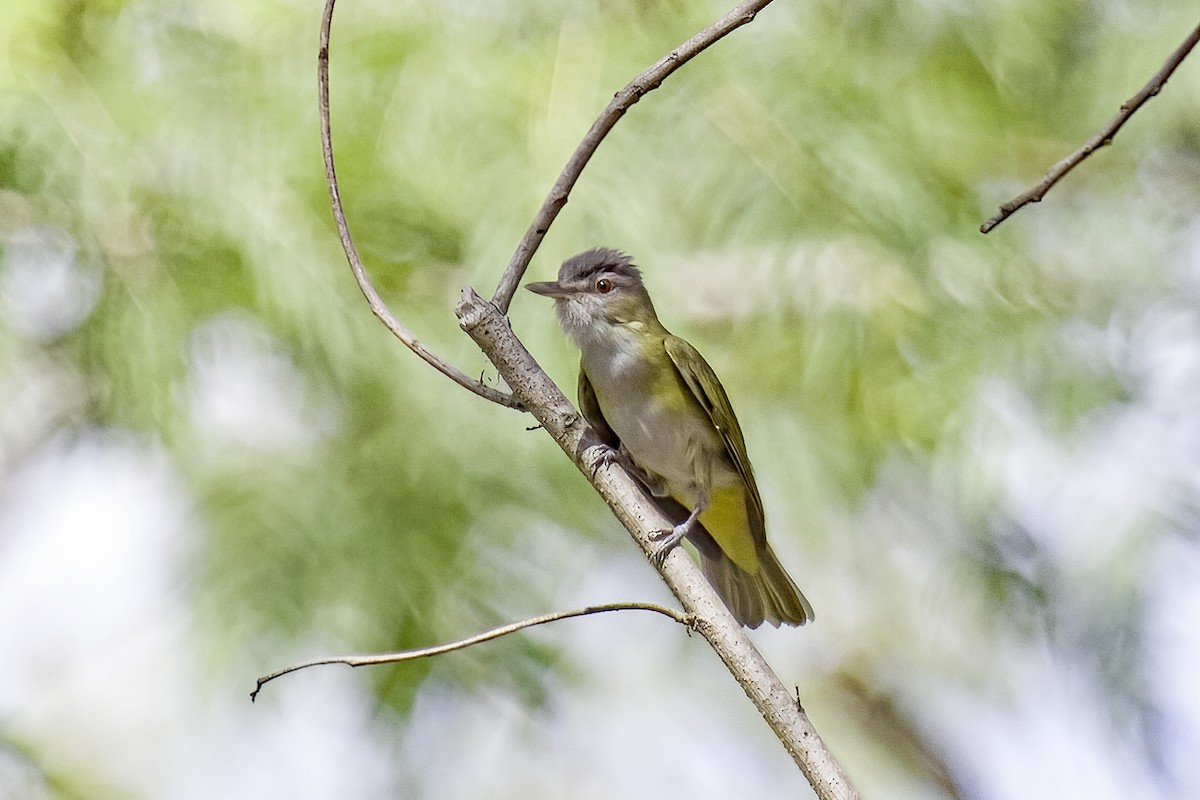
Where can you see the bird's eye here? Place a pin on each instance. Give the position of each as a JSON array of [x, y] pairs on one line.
[[604, 286]]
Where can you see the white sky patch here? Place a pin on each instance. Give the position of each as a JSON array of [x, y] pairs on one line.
[[1172, 656], [100, 672], [1122, 467], [244, 389], [44, 292], [1078, 500], [1050, 737]]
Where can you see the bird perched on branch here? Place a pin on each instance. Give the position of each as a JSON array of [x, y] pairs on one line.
[[653, 398]]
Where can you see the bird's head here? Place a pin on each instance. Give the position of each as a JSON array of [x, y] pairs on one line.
[[597, 291]]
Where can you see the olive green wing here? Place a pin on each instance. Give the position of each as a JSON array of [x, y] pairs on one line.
[[706, 388], [589, 406]]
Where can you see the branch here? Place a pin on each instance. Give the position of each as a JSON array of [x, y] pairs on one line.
[[1104, 137], [378, 307], [643, 84], [489, 328], [461, 644], [533, 390]]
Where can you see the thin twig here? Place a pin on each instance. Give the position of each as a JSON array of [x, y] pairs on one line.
[[378, 307], [1104, 137], [643, 84], [487, 324], [486, 636]]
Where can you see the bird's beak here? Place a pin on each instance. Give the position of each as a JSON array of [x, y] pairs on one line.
[[550, 289]]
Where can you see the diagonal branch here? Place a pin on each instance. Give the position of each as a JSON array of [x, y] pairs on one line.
[[490, 329], [378, 307], [1104, 137], [643, 84], [462, 644], [533, 390]]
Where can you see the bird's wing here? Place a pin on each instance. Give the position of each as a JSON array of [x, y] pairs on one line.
[[589, 406], [709, 393]]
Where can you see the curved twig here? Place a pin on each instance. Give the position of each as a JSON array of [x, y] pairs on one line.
[[533, 390], [1104, 137], [495, 633], [643, 84], [378, 307]]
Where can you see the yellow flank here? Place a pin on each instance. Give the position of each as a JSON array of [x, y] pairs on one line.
[[725, 518], [671, 391]]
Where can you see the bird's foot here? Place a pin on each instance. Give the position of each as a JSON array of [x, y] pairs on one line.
[[604, 456], [666, 541]]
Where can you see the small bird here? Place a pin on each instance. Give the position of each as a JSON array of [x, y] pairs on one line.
[[653, 398]]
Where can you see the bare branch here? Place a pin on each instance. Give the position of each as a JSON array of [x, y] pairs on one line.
[[1104, 137], [533, 390], [643, 84], [461, 644], [490, 329], [378, 307]]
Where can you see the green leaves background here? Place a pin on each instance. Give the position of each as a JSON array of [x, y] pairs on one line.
[[978, 454]]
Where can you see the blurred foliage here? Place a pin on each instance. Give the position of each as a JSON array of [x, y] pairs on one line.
[[805, 198]]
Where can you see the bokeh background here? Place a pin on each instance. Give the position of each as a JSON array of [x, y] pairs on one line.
[[980, 456]]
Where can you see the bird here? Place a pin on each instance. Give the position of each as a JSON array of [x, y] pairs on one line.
[[653, 399]]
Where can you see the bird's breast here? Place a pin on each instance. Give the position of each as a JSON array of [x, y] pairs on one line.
[[659, 423]]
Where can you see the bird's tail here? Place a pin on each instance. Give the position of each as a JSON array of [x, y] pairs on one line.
[[769, 595]]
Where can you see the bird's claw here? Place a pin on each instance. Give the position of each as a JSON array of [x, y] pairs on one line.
[[605, 456], [666, 541]]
